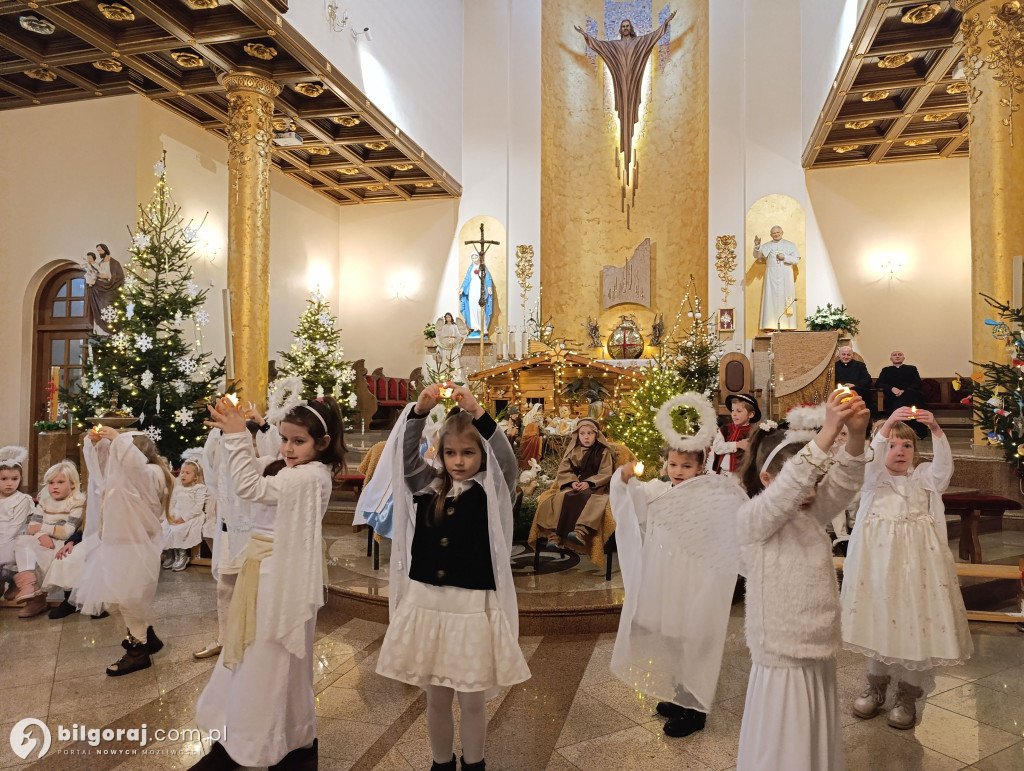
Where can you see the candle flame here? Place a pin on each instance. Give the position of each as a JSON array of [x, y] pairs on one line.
[[232, 398], [638, 469], [446, 393]]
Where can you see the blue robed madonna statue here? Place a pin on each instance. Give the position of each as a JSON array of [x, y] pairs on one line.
[[476, 298]]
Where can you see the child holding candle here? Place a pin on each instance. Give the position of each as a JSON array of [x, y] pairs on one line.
[[672, 633], [261, 689], [902, 605], [123, 571]]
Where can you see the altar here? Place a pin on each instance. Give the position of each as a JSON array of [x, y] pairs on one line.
[[795, 367]]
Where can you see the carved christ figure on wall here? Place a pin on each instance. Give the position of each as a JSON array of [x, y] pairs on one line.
[[626, 59]]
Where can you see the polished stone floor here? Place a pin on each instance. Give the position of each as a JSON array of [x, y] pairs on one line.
[[572, 714]]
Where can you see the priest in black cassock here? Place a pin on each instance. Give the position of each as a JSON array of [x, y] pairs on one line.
[[853, 373], [900, 385]]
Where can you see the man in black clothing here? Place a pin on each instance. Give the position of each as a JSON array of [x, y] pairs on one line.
[[853, 373], [900, 385]]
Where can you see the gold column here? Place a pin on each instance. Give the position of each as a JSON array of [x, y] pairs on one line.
[[992, 62], [250, 133]]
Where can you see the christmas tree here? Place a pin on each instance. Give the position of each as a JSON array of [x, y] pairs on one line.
[[998, 400], [152, 363], [633, 423], [316, 355], [699, 351]]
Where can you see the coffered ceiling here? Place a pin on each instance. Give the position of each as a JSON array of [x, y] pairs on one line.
[[900, 94], [171, 51]]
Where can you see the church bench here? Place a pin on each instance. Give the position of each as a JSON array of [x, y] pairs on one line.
[[971, 507], [939, 394]]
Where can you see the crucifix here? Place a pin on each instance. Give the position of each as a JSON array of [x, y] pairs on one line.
[[480, 247]]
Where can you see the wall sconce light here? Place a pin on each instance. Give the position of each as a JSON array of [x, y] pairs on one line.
[[403, 285], [889, 264]]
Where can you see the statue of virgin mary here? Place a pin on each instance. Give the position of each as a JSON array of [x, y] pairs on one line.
[[476, 298]]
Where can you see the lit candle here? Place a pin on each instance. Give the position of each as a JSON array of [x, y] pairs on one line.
[[913, 411], [638, 469], [232, 398], [446, 393], [846, 393]]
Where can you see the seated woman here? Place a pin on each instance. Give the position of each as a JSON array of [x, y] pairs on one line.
[[577, 509]]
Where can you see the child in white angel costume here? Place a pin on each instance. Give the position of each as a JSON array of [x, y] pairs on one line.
[[902, 605], [677, 548]]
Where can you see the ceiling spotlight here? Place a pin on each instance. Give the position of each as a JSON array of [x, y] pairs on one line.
[[366, 32]]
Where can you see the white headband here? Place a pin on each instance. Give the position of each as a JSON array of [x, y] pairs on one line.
[[318, 417], [773, 453]]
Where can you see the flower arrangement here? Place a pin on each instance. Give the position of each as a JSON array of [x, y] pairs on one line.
[[833, 318], [430, 331]]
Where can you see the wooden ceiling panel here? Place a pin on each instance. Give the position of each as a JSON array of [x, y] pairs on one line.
[[172, 53], [900, 92]]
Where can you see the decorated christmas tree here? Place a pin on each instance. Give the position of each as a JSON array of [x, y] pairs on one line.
[[698, 349], [152, 363], [316, 355], [998, 400], [633, 423]]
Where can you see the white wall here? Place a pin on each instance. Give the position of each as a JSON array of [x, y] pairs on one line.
[[412, 69], [60, 204], [919, 209]]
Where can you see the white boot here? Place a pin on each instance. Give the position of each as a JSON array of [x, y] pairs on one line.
[[903, 715]]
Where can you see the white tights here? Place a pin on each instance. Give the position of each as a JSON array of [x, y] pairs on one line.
[[441, 723], [914, 677]]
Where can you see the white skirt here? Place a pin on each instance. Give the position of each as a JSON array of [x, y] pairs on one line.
[[791, 719], [265, 706], [31, 555], [64, 573], [184, 536], [452, 637], [901, 599]]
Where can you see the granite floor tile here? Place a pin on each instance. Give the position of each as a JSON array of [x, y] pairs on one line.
[[362, 705], [24, 701], [986, 705], [1010, 759], [32, 670], [589, 718], [345, 739], [633, 748], [873, 745], [1009, 680], [559, 763], [716, 746], [958, 736], [84, 693]]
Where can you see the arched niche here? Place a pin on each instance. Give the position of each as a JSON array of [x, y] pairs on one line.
[[496, 260]]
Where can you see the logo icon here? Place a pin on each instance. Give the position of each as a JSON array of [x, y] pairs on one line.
[[23, 739]]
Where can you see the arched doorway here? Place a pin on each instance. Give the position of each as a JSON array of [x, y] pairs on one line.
[[60, 338]]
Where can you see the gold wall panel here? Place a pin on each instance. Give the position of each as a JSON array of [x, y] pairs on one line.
[[582, 225], [775, 209], [496, 261]]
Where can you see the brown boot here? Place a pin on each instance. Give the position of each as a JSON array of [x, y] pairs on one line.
[[34, 606], [869, 703], [903, 714], [28, 587]]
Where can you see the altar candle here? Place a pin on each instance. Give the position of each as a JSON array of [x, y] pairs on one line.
[[525, 351]]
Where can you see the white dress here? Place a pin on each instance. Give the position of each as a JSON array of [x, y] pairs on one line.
[[124, 569], [15, 510], [266, 701], [679, 586], [188, 504], [901, 598]]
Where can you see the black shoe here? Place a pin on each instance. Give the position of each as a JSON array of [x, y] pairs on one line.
[[101, 614], [690, 723], [155, 643], [449, 766], [217, 759], [62, 610], [479, 766], [670, 710], [136, 657], [302, 759]]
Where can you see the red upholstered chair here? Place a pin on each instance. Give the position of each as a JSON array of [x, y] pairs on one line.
[[403, 390], [382, 389], [392, 390]]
